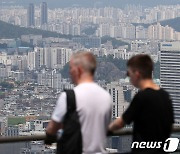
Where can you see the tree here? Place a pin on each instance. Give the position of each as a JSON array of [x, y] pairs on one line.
[[6, 85]]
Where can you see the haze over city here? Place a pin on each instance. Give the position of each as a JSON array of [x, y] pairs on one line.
[[38, 38], [92, 3]]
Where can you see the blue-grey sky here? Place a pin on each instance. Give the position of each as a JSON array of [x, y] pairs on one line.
[[91, 3]]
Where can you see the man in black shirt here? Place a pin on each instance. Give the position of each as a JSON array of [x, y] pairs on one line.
[[150, 110]]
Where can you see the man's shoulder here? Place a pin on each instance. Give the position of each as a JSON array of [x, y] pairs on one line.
[[91, 87], [151, 95], [149, 92], [102, 93], [62, 97], [62, 94], [101, 90]]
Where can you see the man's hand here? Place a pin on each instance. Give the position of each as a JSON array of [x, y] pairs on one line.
[[51, 131], [53, 127], [116, 124]]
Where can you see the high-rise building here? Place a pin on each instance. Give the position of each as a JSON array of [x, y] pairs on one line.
[[118, 107], [47, 57], [39, 57], [44, 13], [50, 79], [30, 15], [116, 92], [59, 57], [52, 57], [170, 72], [35, 59], [31, 60], [3, 71], [104, 29]]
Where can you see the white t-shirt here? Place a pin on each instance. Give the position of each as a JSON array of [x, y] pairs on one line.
[[93, 105]]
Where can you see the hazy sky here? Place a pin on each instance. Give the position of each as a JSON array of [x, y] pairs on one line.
[[91, 3]]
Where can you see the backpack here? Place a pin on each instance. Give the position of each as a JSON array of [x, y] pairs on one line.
[[71, 140]]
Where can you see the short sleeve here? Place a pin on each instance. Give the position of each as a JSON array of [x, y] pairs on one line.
[[131, 113], [60, 109]]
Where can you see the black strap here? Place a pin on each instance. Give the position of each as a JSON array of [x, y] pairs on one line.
[[71, 101], [71, 140], [71, 107]]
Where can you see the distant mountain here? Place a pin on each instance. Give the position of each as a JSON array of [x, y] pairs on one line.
[[92, 3], [174, 23], [12, 31]]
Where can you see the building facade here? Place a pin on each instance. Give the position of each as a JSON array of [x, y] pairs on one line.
[[44, 13], [170, 72], [30, 15]]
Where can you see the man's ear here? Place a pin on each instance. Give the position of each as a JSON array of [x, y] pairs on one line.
[[79, 69], [137, 73]]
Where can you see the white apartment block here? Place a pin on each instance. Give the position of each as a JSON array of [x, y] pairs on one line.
[[104, 30], [50, 79], [117, 96], [31, 62], [159, 32], [51, 57]]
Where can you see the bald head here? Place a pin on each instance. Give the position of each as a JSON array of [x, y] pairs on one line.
[[86, 60]]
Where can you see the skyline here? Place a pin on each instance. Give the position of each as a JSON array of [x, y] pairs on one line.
[[38, 38]]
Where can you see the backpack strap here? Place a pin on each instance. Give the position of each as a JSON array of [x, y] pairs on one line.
[[71, 140], [71, 107], [71, 102]]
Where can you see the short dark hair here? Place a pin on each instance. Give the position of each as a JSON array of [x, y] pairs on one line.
[[143, 63]]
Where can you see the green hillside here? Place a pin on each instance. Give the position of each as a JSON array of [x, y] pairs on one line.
[[12, 31], [174, 23]]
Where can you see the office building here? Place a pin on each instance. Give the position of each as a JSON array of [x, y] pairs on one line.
[[44, 13], [170, 72], [30, 15]]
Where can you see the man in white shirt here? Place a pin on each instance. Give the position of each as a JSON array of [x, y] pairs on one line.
[[93, 105]]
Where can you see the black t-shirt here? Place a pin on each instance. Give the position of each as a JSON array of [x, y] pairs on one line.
[[152, 114]]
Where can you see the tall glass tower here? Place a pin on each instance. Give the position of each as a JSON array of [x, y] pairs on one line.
[[170, 72], [44, 13], [30, 15]]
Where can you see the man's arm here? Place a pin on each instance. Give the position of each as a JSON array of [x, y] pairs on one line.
[[51, 131], [116, 124], [56, 120], [128, 116], [53, 127], [57, 116]]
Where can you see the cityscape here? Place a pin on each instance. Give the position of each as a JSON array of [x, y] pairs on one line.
[[37, 42]]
